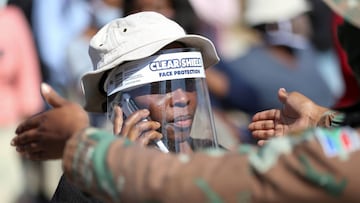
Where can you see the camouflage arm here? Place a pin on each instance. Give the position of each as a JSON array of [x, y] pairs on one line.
[[320, 165]]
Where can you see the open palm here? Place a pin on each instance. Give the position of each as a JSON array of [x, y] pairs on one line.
[[298, 112]]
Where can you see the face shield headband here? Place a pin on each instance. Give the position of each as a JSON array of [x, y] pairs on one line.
[[165, 66], [172, 86]]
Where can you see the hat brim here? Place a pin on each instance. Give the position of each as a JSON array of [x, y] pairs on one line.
[[95, 98]]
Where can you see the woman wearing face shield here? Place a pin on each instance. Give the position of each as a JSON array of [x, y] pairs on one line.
[[162, 69], [176, 108]]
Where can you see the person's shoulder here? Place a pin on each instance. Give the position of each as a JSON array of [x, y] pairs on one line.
[[13, 13], [11, 10]]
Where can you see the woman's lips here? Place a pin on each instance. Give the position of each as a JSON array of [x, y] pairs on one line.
[[183, 121]]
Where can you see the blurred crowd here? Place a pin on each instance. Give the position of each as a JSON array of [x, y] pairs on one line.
[[263, 45]]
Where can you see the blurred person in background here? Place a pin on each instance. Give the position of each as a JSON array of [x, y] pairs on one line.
[[100, 12], [180, 11], [227, 90], [281, 55], [55, 25], [352, 91], [284, 57], [323, 40], [165, 7], [20, 78]]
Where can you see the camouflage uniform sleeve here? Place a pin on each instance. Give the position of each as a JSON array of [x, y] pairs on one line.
[[320, 165]]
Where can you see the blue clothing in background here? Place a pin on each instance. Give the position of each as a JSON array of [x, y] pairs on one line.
[[264, 74]]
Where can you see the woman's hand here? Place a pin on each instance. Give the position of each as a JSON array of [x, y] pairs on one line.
[[135, 127]]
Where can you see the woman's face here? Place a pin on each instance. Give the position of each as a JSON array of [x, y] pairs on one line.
[[173, 104]]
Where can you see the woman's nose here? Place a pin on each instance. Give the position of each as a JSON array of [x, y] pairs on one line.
[[179, 98]]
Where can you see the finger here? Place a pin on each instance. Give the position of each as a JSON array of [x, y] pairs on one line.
[[26, 137], [51, 96], [265, 115], [21, 149], [28, 148], [28, 124], [263, 134], [132, 120], [149, 137], [118, 120], [262, 125], [282, 95], [281, 130], [261, 142], [141, 128], [33, 147]]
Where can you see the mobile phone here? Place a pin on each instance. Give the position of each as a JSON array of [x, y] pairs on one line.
[[129, 106]]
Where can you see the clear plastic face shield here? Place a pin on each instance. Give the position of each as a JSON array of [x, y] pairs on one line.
[[172, 86]]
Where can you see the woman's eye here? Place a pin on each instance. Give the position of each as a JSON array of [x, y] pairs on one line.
[[190, 85], [155, 88]]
